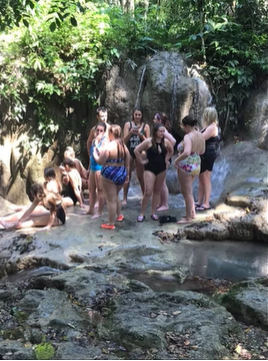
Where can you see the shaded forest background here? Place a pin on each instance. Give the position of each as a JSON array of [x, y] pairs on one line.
[[54, 54]]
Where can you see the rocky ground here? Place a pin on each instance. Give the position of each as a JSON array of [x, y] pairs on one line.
[[76, 301]]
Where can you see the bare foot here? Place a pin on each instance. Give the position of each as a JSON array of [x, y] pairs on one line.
[[184, 221], [124, 202], [88, 212], [96, 205], [162, 208], [8, 225], [97, 215]]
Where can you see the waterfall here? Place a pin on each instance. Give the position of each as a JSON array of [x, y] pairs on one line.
[[137, 103], [173, 107]]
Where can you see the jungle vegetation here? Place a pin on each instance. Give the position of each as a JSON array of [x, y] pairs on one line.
[[55, 52]]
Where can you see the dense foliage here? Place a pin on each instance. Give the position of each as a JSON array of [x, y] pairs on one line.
[[54, 52]]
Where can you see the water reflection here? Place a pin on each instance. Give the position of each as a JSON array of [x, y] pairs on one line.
[[228, 260]]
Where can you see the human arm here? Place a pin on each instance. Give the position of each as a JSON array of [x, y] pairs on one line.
[[90, 138], [140, 148], [170, 150], [127, 132], [127, 162], [170, 138], [76, 183], [29, 210], [211, 131], [187, 148]]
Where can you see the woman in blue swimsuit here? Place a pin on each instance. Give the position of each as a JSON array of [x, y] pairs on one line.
[[95, 188], [114, 158], [188, 164], [158, 150]]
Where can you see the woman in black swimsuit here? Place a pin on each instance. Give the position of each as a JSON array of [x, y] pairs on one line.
[[211, 134], [159, 150], [50, 211], [135, 132]]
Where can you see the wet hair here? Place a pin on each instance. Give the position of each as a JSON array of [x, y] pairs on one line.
[[68, 162], [162, 118], [116, 130], [36, 189], [137, 110], [210, 116], [49, 199], [188, 120], [103, 125], [156, 127], [101, 109], [49, 172]]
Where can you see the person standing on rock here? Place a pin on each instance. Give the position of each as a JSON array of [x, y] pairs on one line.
[[188, 164], [114, 158], [95, 186], [211, 134], [158, 153], [46, 210], [135, 132], [102, 116], [163, 119]]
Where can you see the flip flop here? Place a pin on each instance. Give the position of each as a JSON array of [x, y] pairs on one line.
[[140, 218], [202, 209], [197, 205], [154, 217], [107, 226], [120, 218]]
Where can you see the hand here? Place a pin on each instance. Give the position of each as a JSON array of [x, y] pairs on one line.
[[145, 161], [45, 228], [134, 130]]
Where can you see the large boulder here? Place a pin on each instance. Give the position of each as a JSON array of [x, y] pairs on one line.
[[162, 83], [256, 115]]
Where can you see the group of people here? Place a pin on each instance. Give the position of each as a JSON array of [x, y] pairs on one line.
[[113, 154]]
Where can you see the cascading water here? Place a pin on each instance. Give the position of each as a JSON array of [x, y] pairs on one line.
[[137, 103]]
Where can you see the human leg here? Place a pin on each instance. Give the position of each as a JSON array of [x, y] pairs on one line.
[[126, 185], [39, 219], [163, 204], [201, 179], [92, 193], [149, 180], [186, 182], [206, 184], [100, 194], [110, 190], [159, 180], [140, 174]]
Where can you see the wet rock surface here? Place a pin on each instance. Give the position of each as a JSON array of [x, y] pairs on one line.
[[98, 294]]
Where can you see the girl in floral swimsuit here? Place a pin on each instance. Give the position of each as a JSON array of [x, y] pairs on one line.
[[188, 164]]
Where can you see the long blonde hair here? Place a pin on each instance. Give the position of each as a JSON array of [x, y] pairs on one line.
[[210, 116]]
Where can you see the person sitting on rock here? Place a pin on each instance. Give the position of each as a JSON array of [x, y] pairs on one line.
[[72, 179], [69, 153], [46, 210]]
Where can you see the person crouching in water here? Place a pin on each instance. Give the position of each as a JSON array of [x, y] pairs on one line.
[[52, 212]]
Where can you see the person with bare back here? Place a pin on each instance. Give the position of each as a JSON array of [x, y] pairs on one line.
[[46, 210]]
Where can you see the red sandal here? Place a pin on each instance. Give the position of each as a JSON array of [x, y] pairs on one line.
[[107, 226], [120, 218]]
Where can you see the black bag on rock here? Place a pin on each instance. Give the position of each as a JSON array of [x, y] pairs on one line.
[[167, 219]]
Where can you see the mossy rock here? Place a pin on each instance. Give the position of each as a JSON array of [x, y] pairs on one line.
[[44, 351]]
